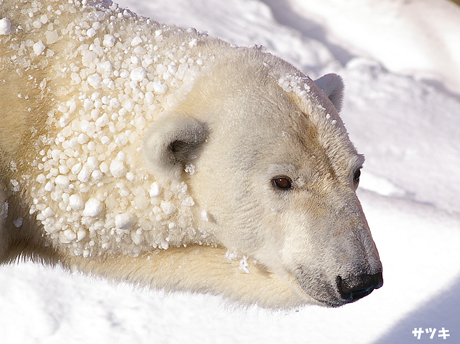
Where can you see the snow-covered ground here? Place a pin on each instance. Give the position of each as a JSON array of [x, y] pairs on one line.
[[400, 61]]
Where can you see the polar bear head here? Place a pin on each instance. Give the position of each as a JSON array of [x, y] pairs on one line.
[[275, 174]]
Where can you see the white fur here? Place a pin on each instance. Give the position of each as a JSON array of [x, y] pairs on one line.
[[143, 152]]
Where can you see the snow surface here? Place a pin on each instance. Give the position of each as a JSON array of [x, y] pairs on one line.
[[400, 64]]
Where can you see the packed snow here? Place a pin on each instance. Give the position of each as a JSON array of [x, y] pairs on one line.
[[5, 26], [400, 64]]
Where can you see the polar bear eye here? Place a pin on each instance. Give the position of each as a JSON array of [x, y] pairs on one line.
[[357, 175], [282, 182]]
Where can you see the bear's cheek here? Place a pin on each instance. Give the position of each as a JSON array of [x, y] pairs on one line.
[[231, 214]]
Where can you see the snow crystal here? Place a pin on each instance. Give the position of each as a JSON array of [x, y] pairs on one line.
[[243, 261], [244, 265], [49, 186], [82, 138], [193, 43], [44, 19], [76, 202], [18, 222], [104, 167], [114, 103], [188, 202], [155, 190], [48, 212], [118, 169], [149, 97], [93, 207], [76, 168], [159, 87], [51, 37], [136, 41], [84, 175], [204, 215], [102, 121], [109, 41], [91, 32], [130, 176], [69, 235], [16, 187], [190, 169], [81, 234], [138, 74], [124, 221], [95, 81], [92, 163], [96, 175], [37, 24], [38, 47], [167, 207], [5, 27], [62, 181], [230, 255]]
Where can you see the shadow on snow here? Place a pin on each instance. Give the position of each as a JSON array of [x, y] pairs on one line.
[[441, 311]]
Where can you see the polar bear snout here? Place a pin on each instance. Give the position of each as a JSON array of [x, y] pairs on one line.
[[356, 287]]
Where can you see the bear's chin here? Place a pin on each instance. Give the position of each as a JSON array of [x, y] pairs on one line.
[[317, 290]]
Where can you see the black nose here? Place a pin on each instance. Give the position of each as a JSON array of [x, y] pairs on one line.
[[356, 287]]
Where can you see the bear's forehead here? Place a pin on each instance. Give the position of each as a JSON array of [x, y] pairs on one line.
[[302, 147], [263, 90], [295, 120]]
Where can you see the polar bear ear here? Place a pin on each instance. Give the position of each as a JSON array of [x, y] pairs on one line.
[[171, 142], [332, 85]]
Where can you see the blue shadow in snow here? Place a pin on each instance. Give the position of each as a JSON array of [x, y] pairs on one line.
[[441, 311]]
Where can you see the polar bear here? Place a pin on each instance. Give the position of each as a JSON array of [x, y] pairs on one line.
[[163, 157]]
